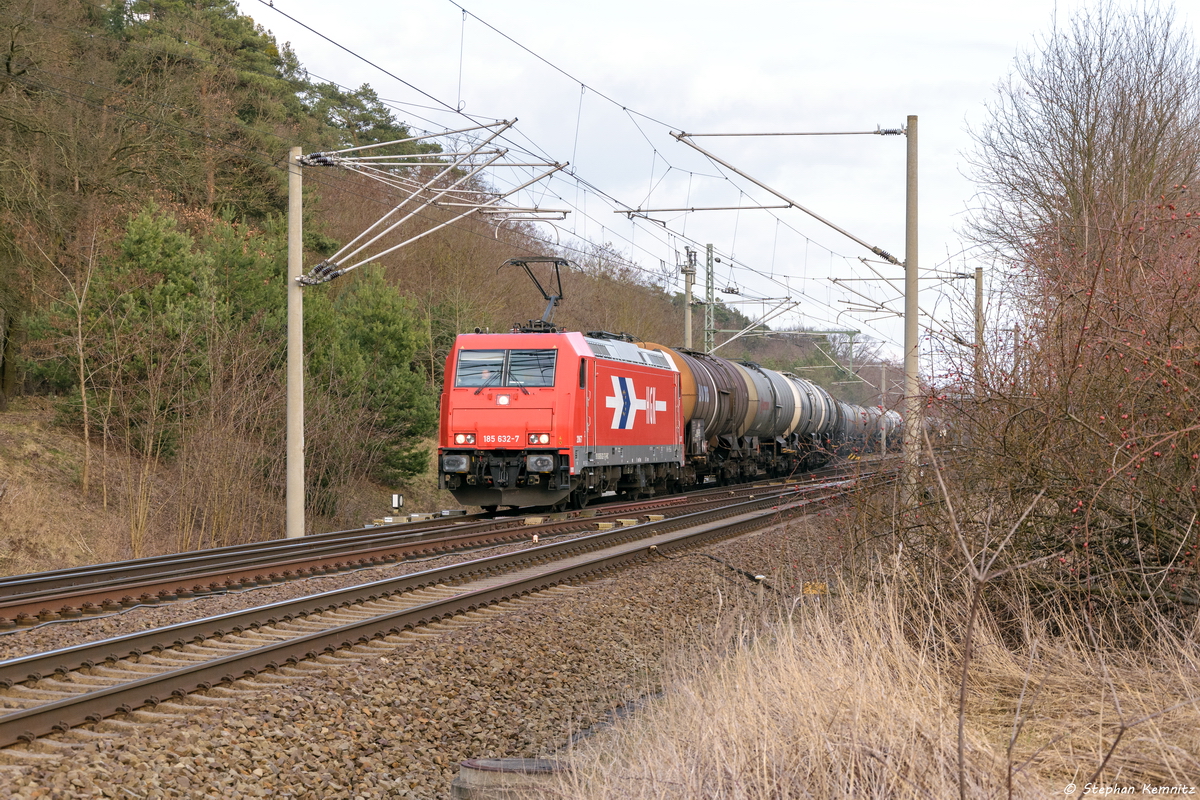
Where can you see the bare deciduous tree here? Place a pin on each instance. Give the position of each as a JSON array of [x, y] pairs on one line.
[[1103, 114], [1083, 409]]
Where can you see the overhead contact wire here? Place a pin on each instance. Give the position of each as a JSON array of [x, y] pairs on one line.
[[583, 87]]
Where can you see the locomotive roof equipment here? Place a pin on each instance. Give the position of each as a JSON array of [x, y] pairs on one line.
[[542, 325]]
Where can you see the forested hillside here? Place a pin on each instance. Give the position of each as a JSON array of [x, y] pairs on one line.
[[142, 255], [143, 151]]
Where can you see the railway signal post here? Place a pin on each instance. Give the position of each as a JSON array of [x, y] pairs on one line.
[[689, 279]]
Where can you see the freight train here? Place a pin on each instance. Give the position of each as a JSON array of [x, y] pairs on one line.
[[549, 418]]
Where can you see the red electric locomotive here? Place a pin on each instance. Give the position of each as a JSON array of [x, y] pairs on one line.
[[537, 419]]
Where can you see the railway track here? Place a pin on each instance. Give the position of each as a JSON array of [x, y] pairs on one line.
[[81, 593], [54, 692]]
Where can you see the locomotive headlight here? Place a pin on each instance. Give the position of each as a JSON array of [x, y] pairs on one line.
[[455, 463], [539, 438], [464, 438], [539, 463]]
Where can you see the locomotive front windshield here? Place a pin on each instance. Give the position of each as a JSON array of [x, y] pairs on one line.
[[480, 368]]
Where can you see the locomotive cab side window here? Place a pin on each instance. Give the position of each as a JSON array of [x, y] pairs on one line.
[[499, 368]]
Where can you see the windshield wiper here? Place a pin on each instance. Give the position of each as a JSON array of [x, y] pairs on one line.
[[491, 378]]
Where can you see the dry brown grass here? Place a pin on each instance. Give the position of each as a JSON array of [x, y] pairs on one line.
[[858, 695], [43, 522], [46, 522]]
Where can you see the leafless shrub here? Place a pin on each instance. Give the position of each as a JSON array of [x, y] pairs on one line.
[[1095, 415], [1102, 114], [1085, 393]]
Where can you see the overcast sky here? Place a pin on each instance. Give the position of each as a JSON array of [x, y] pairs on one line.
[[651, 67]]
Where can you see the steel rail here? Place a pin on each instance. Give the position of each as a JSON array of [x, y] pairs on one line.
[[216, 574], [152, 565], [619, 546], [12, 585], [34, 667], [75, 576], [116, 587]]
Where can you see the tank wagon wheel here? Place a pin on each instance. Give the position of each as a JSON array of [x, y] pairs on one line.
[[578, 499]]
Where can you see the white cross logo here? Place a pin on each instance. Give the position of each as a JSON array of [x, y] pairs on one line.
[[625, 403]]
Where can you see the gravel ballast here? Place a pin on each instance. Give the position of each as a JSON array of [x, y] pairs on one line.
[[397, 721]]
